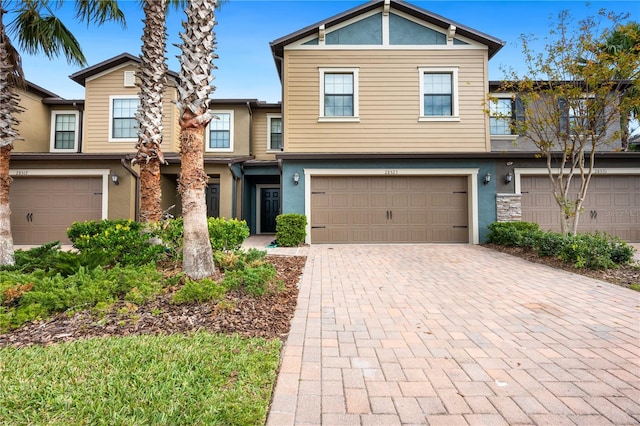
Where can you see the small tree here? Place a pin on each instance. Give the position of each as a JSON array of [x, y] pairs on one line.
[[571, 100]]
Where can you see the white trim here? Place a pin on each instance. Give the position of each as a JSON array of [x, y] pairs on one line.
[[269, 118], [472, 189], [259, 188], [207, 134], [455, 113], [355, 71], [104, 173], [111, 99], [52, 137], [606, 171]]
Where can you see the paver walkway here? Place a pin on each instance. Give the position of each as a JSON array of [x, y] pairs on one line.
[[455, 334]]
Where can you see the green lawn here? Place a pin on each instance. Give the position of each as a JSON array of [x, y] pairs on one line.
[[199, 379]]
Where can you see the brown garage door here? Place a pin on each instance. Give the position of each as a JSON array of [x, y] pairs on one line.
[[612, 205], [382, 209], [42, 208]]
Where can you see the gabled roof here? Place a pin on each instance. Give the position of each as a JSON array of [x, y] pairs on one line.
[[40, 91], [81, 76], [493, 44]]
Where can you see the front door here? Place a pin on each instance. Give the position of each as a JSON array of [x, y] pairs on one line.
[[213, 200], [269, 209]]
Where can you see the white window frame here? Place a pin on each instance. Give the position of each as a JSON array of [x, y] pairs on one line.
[[455, 113], [76, 137], [510, 96], [356, 99], [269, 118], [111, 99], [207, 148]]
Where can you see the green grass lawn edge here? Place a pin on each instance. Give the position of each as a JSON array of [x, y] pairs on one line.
[[199, 378]]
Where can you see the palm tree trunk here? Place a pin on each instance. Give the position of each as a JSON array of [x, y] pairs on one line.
[[152, 84], [6, 239], [194, 89]]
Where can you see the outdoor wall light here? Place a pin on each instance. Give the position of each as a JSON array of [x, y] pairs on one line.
[[508, 178], [487, 178], [115, 179], [296, 178]]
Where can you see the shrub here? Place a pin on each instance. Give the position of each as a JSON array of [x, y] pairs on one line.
[[48, 257], [115, 241], [227, 234], [205, 290], [256, 281], [290, 229], [38, 295], [511, 233], [596, 251], [549, 244]]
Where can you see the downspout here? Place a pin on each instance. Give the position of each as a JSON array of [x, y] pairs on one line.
[[80, 126], [250, 128], [136, 178], [233, 189]]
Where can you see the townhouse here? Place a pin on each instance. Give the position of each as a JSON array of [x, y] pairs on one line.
[[382, 136]]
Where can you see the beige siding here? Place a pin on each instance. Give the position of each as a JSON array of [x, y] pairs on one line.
[[389, 102], [35, 124], [96, 124], [260, 134]]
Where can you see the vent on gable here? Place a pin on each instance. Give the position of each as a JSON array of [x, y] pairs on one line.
[[129, 79]]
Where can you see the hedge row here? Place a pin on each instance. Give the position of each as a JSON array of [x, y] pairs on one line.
[[585, 250]]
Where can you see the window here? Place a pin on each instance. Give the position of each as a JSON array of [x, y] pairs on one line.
[[220, 132], [581, 116], [502, 114], [274, 132], [123, 124], [64, 131], [439, 94], [339, 94]]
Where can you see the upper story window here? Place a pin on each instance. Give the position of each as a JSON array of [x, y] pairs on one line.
[[502, 111], [64, 131], [274, 132], [439, 94], [580, 116], [123, 126], [220, 132], [339, 94]]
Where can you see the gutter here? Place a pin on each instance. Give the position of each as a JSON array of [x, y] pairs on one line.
[[136, 177], [250, 128]]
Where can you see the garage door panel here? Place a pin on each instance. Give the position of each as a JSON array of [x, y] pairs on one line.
[[608, 207], [400, 208], [52, 205]]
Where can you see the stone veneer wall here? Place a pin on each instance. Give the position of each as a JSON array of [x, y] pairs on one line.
[[509, 207]]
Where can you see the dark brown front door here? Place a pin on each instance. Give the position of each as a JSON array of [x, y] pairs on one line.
[[269, 209], [213, 200]]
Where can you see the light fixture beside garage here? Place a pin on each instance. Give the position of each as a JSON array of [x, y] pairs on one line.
[[508, 178], [487, 178], [296, 178], [114, 178]]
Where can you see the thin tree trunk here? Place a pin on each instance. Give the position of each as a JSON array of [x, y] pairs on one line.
[[6, 239]]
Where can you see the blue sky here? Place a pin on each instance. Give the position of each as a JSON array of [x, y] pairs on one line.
[[245, 27]]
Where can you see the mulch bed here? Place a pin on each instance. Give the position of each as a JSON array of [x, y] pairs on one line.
[[268, 316]]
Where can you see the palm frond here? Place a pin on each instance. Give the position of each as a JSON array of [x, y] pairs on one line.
[[99, 12]]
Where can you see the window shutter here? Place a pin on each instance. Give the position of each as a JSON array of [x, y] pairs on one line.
[[563, 106], [519, 113]]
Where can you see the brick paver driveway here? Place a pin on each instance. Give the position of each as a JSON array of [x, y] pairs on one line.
[[456, 334]]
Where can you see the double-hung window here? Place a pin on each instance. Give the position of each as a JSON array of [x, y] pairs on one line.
[[581, 116], [502, 114], [220, 132], [438, 94], [274, 132], [123, 126], [339, 94], [64, 131]]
